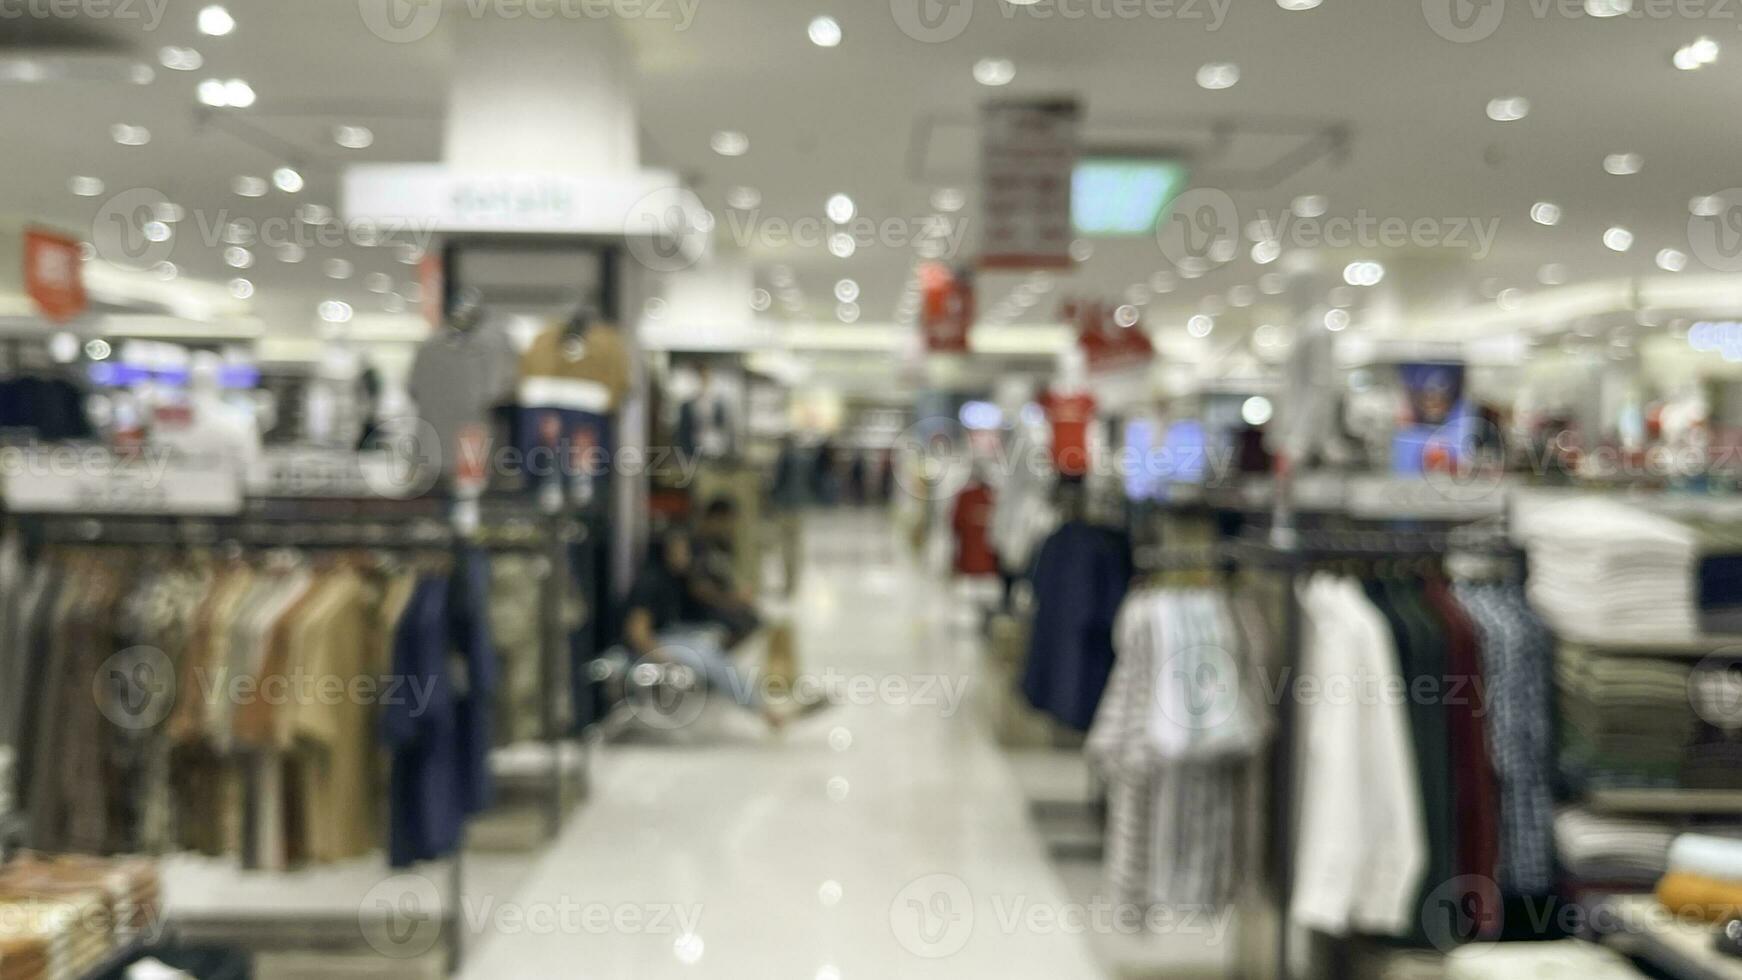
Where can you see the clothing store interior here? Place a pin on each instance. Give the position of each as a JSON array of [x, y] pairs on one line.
[[825, 490]]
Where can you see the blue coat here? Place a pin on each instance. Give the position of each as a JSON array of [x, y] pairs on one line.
[[1080, 577]]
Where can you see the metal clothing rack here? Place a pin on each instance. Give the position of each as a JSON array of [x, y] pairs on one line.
[[376, 525], [1311, 549]]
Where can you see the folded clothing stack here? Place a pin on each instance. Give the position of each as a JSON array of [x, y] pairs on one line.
[[1566, 959], [60, 916], [1601, 568], [1718, 577], [1703, 879], [1625, 721], [1607, 851]]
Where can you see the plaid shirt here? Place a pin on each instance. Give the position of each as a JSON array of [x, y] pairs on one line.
[[1518, 664]]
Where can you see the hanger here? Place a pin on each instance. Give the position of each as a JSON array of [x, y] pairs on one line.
[[574, 338]]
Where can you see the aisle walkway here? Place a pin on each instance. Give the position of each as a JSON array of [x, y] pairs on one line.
[[885, 840]]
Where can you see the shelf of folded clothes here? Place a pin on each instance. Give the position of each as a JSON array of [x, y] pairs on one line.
[[1679, 948], [1678, 647], [1668, 800]]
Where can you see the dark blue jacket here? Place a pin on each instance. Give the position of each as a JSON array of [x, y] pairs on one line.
[[1080, 577], [440, 770]]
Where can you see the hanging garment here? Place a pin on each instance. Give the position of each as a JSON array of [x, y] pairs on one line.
[[970, 519], [1070, 416], [1362, 847], [1171, 736], [1080, 578], [456, 378], [1517, 661]]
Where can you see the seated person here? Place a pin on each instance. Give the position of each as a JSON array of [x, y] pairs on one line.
[[713, 592], [656, 629]]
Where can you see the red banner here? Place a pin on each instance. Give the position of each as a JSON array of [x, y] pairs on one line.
[[54, 274], [1106, 345], [946, 309]]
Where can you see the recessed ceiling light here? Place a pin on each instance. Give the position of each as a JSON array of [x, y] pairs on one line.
[[1706, 205], [237, 257], [847, 312], [177, 58], [1622, 164], [948, 199], [221, 94], [165, 271], [1545, 213], [1363, 273], [378, 282], [1266, 252], [1608, 8], [994, 71], [129, 134], [85, 186], [842, 245], [1309, 205], [338, 269], [287, 180], [1127, 315], [1298, 4], [743, 198], [1082, 250], [142, 74], [1161, 282], [1336, 320], [353, 137], [1699, 54], [335, 311], [1552, 274], [169, 212], [1200, 325], [241, 288], [1671, 260], [825, 31], [1508, 109], [238, 233], [216, 21], [1510, 298], [1218, 75], [290, 253], [840, 208], [730, 143], [760, 300], [319, 214], [1617, 239], [249, 186], [156, 231], [846, 290]]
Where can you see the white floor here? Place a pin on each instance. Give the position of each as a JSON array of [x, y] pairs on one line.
[[887, 839]]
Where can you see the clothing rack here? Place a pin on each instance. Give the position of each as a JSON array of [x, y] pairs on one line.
[[375, 525], [1296, 554]]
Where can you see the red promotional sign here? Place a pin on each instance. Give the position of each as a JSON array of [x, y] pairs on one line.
[[946, 309], [430, 277], [54, 274], [1108, 346]]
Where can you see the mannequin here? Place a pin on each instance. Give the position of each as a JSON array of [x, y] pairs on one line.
[[572, 379], [1070, 409], [459, 374], [212, 427]]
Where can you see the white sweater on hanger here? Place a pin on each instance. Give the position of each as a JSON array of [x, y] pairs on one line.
[[1362, 843]]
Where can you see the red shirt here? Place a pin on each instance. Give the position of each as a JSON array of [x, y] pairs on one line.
[[971, 520], [1070, 416]]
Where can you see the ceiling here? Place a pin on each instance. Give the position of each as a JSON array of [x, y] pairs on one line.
[[888, 119]]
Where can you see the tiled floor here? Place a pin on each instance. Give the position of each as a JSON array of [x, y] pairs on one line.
[[885, 839]]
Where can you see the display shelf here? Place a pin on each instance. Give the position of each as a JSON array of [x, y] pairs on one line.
[[1693, 647], [1682, 950], [1665, 801]]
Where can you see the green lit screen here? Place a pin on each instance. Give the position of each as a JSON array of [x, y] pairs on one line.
[[1123, 196]]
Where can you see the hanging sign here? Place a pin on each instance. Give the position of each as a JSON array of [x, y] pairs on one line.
[[54, 274], [946, 311], [432, 281], [1108, 346], [1028, 151]]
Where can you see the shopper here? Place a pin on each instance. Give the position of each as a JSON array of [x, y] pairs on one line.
[[657, 627], [714, 593]]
